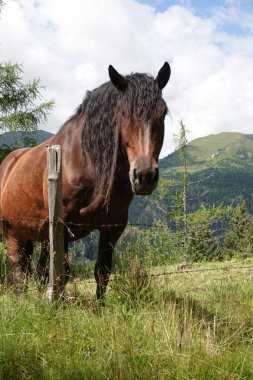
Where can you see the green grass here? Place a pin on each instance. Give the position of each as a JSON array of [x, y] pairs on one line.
[[191, 325]]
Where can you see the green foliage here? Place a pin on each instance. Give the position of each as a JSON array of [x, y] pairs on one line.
[[239, 240], [213, 233], [6, 149], [153, 246], [167, 201], [181, 143], [19, 108], [82, 268], [131, 283], [205, 233], [4, 263], [85, 249], [182, 147]]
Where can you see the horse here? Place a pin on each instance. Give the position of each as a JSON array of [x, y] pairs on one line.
[[110, 149]]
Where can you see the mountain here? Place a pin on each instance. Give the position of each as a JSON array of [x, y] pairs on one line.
[[20, 138], [227, 149], [220, 170]]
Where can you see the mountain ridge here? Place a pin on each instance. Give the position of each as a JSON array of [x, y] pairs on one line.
[[19, 138], [213, 149]]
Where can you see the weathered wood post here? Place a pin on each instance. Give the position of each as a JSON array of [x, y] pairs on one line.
[[56, 229]]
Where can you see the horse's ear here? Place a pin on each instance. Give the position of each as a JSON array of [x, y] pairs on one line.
[[118, 80], [163, 75]]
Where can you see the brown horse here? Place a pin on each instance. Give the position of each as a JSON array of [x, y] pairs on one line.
[[110, 150]]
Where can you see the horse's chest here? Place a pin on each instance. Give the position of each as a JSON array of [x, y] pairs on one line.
[[75, 197]]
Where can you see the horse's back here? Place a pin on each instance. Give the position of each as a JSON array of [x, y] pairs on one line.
[[21, 186], [8, 164]]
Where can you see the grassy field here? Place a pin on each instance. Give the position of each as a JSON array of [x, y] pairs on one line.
[[197, 324]]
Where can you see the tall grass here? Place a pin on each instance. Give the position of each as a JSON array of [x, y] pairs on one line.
[[185, 326]]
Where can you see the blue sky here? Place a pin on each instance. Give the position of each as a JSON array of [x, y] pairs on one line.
[[202, 7], [209, 45], [205, 8]]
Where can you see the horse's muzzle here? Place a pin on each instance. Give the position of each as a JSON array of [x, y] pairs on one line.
[[144, 181]]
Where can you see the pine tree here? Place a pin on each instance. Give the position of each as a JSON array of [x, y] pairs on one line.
[[239, 238], [181, 144], [19, 107]]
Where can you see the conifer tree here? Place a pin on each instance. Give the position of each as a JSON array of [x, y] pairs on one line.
[[21, 108]]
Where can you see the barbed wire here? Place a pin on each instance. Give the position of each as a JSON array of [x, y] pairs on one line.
[[216, 234], [94, 225], [100, 225], [168, 273], [122, 277]]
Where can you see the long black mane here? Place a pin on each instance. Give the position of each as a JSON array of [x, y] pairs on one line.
[[102, 111]]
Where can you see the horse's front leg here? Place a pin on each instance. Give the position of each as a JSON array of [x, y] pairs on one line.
[[107, 241]]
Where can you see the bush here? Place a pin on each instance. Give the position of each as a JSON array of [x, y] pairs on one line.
[[132, 281], [154, 246]]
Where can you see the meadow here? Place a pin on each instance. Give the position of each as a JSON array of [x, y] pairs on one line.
[[189, 321]]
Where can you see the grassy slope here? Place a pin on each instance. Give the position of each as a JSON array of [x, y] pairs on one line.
[[214, 150], [184, 326]]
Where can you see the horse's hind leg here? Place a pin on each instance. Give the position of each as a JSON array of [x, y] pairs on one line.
[[42, 269], [20, 262], [43, 264]]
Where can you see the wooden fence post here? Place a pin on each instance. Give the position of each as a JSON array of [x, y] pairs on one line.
[[56, 229]]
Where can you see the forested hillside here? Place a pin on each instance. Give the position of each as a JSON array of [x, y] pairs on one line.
[[21, 138]]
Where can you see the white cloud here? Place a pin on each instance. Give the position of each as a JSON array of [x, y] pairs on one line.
[[69, 45]]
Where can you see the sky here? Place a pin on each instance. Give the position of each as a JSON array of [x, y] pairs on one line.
[[209, 45]]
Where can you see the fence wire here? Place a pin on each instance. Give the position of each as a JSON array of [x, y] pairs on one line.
[[116, 277], [217, 235], [119, 277]]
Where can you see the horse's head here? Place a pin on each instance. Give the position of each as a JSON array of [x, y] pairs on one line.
[[142, 113]]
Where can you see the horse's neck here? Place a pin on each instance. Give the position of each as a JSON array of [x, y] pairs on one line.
[[70, 139]]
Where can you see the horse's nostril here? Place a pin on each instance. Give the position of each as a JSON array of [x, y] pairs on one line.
[[137, 176]]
